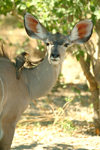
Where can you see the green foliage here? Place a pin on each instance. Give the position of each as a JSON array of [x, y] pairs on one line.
[[56, 15], [40, 46], [79, 53]]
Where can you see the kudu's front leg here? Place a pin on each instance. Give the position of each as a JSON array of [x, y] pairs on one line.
[[8, 127], [9, 118]]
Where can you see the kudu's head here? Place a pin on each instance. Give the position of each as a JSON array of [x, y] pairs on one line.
[[57, 43]]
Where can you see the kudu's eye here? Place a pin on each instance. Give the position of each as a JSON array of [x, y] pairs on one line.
[[66, 44], [47, 44]]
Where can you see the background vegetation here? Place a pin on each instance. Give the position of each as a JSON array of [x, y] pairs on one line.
[[58, 15]]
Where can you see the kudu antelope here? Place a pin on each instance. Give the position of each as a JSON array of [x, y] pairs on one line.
[[15, 95]]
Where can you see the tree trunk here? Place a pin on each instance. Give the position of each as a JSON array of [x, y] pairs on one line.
[[94, 89]]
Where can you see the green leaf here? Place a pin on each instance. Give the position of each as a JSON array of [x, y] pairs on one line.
[[79, 53]]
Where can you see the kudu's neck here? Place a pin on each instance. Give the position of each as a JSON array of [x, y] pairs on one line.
[[41, 79]]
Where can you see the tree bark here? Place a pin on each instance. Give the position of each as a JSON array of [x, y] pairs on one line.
[[93, 89]]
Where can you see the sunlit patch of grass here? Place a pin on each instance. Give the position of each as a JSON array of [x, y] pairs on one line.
[[57, 118], [60, 120], [66, 126]]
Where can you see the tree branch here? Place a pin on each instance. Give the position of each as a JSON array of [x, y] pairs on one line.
[[86, 69]]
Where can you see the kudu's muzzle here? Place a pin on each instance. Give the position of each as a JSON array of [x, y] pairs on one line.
[[55, 56]]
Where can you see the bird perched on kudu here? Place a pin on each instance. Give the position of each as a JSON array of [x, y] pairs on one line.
[[19, 64], [22, 61]]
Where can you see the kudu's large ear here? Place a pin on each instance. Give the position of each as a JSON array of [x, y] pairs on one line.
[[81, 32], [34, 28]]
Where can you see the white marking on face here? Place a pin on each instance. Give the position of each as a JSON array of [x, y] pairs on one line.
[[55, 61], [49, 51]]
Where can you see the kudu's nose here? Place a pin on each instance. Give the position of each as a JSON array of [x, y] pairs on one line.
[[55, 55]]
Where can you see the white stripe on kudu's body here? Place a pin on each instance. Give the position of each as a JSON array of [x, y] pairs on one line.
[[15, 94], [1, 104], [2, 94]]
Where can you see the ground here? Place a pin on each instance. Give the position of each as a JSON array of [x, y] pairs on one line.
[[48, 125], [62, 120]]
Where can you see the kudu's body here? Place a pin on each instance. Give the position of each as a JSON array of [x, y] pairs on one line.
[[15, 94]]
